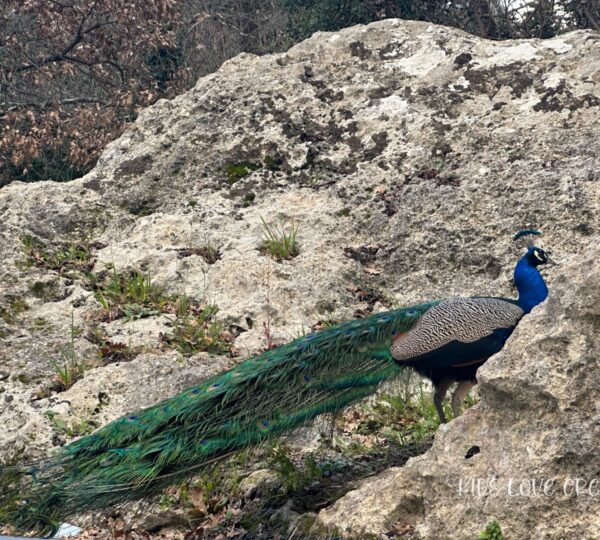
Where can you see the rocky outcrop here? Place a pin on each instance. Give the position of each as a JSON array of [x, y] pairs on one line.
[[407, 154]]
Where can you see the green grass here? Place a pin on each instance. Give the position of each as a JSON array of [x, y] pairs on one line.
[[402, 414], [411, 422], [10, 313], [212, 492], [73, 429], [129, 295], [45, 290], [23, 378], [294, 477], [60, 258], [236, 171], [273, 163], [327, 321], [69, 367], [197, 330], [491, 532], [279, 241], [132, 295], [248, 199]]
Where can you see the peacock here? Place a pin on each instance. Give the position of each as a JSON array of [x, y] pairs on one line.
[[269, 394]]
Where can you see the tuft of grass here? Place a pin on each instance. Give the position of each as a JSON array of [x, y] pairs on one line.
[[294, 477], [40, 322], [414, 420], [402, 414], [209, 252], [273, 163], [74, 429], [197, 330], [69, 367], [60, 258], [11, 312], [491, 532], [327, 318], [23, 378], [45, 290], [212, 493], [248, 199], [279, 241], [130, 295], [109, 351], [236, 171]]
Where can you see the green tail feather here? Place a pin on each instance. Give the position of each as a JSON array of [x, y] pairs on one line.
[[263, 397]]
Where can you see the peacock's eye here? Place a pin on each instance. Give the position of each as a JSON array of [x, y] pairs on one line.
[[538, 255]]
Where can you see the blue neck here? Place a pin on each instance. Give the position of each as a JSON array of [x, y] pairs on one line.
[[530, 284]]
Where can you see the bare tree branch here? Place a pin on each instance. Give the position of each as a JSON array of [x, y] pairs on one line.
[[64, 54]]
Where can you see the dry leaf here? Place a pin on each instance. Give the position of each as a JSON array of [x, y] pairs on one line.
[[196, 497], [372, 271]]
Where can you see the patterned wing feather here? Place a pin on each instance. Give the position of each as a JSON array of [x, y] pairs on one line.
[[458, 330]]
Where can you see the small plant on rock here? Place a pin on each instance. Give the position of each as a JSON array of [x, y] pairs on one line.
[[69, 367], [279, 241], [70, 429], [111, 351], [60, 258], [131, 295], [10, 312], [293, 476], [491, 532], [197, 330], [236, 171], [210, 253]]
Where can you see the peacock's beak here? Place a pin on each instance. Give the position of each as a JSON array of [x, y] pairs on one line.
[[552, 262]]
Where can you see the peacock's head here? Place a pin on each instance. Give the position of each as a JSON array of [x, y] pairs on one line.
[[535, 256]]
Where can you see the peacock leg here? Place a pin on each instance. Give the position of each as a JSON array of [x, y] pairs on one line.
[[459, 395], [439, 393]]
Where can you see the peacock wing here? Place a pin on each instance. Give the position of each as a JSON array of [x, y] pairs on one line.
[[457, 331]]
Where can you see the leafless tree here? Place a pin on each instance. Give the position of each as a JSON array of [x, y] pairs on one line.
[[215, 30]]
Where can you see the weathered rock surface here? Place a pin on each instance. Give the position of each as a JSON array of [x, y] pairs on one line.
[[407, 154]]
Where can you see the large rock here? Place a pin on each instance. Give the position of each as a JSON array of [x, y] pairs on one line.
[[407, 154]]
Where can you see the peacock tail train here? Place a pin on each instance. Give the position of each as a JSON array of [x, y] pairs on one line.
[[268, 394]]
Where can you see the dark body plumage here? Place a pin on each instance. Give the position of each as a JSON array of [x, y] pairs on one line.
[[268, 394]]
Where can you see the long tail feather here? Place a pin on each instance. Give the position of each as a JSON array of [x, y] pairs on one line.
[[263, 397]]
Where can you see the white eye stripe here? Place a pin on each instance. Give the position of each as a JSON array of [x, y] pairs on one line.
[[538, 256]]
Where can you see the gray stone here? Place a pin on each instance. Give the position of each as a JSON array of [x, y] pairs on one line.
[[260, 482]]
